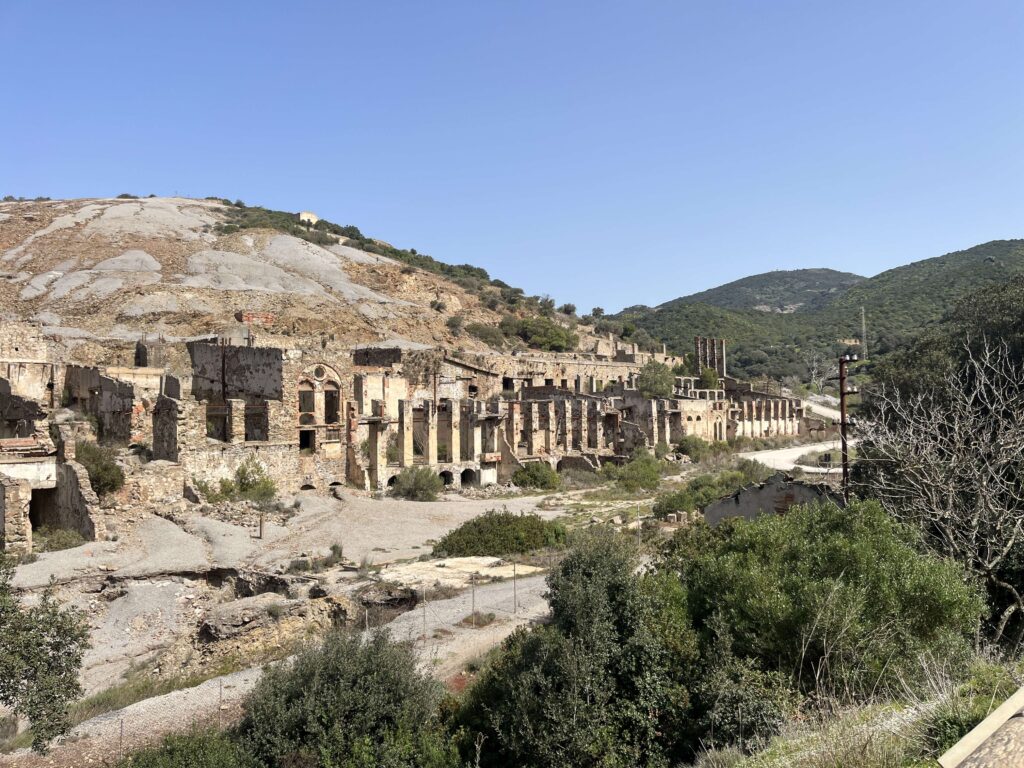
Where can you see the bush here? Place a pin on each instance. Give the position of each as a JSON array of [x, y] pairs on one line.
[[567, 309], [348, 703], [537, 474], [841, 599], [540, 333], [699, 449], [455, 323], [99, 462], [641, 473], [417, 484], [488, 334], [498, 534], [199, 749], [250, 483], [592, 687]]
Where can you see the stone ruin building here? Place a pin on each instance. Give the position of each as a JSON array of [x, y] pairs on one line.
[[317, 415]]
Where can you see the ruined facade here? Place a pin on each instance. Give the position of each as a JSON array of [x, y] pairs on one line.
[[317, 414]]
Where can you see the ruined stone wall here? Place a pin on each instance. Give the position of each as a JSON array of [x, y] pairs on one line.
[[77, 503], [34, 381], [235, 372], [15, 527], [773, 497], [109, 401], [289, 469]]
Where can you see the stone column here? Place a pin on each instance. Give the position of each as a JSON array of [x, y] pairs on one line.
[[565, 418], [514, 424], [15, 526], [580, 417], [405, 421], [236, 421], [655, 425], [455, 432], [430, 424], [532, 418], [549, 425]]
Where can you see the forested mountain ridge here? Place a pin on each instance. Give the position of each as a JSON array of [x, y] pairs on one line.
[[784, 291], [898, 305]]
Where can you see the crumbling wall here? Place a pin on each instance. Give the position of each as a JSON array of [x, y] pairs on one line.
[[224, 371], [77, 503], [110, 401], [15, 526]]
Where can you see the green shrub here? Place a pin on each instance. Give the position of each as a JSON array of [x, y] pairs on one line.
[[250, 483], [105, 475], [540, 333], [488, 334], [641, 473], [537, 474], [455, 323], [841, 599], [199, 749], [592, 688], [499, 534], [348, 703], [417, 484]]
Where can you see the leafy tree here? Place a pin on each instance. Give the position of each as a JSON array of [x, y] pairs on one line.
[[41, 650], [655, 380], [347, 703], [417, 484], [597, 312], [709, 379], [567, 309], [537, 474]]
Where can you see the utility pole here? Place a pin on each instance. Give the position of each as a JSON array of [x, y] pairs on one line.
[[863, 333], [844, 422], [515, 592]]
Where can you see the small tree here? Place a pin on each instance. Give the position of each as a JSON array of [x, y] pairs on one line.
[[41, 651], [597, 312], [567, 309], [655, 380], [105, 475], [709, 379], [417, 484]]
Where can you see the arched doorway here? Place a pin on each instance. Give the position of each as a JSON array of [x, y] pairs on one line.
[[447, 477], [468, 477]]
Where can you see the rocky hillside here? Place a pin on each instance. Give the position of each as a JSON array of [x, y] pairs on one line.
[[100, 269]]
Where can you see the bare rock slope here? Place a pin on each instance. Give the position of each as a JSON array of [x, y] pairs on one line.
[[115, 268]]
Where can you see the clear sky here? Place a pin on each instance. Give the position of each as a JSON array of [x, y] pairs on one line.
[[606, 153]]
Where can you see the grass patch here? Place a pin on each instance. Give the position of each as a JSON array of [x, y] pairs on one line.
[[46, 539], [477, 620]]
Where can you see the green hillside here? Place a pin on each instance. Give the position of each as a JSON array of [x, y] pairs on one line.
[[898, 303], [794, 290]]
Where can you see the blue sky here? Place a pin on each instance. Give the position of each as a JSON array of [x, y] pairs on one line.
[[604, 153]]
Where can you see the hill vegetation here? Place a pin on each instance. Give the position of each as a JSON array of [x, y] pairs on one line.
[[793, 290], [899, 304]]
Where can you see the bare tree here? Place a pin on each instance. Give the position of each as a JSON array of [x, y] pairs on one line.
[[950, 461], [820, 369]]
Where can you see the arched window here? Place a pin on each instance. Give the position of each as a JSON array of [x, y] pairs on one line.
[[332, 402]]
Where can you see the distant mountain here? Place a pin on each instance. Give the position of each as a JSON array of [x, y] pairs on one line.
[[898, 304], [784, 291]]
